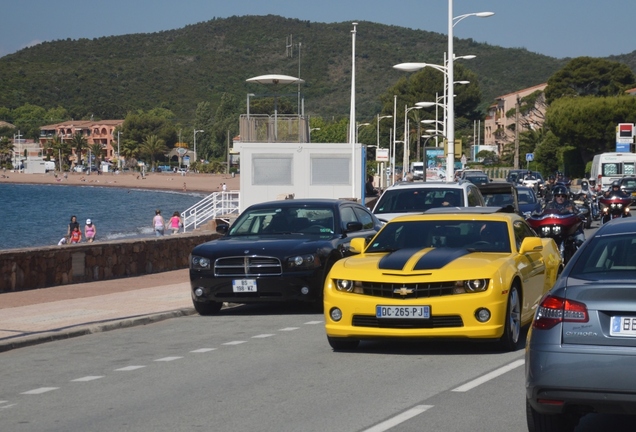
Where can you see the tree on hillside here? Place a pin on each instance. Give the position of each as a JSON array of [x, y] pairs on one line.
[[589, 123], [587, 76], [203, 120], [153, 147], [28, 119], [335, 131], [226, 121], [159, 121]]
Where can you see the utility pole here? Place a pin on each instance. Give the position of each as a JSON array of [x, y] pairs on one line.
[[517, 133]]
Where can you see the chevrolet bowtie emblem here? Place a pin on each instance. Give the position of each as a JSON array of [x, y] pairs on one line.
[[403, 291]]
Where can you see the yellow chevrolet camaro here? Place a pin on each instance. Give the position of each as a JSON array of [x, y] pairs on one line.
[[474, 273]]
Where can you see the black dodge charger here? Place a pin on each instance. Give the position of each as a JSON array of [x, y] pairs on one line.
[[276, 251]]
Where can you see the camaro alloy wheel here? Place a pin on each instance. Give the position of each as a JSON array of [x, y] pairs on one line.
[[512, 328]]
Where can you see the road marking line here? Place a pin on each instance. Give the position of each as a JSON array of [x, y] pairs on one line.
[[8, 406], [289, 328], [129, 368], [489, 376], [87, 378], [262, 336], [203, 350], [40, 390], [400, 418], [314, 322], [3, 402], [167, 359], [234, 343]]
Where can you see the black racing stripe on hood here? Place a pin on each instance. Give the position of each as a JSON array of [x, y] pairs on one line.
[[439, 257], [396, 260]]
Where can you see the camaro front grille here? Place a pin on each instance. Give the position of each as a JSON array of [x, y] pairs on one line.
[[433, 322], [247, 266], [408, 290]]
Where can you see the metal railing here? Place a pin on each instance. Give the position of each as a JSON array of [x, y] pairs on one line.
[[265, 128], [219, 205]]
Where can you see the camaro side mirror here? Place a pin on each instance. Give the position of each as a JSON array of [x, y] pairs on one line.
[[531, 244], [357, 245]]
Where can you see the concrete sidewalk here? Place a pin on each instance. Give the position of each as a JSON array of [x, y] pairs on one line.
[[36, 316]]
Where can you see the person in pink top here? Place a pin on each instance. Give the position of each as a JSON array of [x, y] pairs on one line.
[[90, 231], [175, 223]]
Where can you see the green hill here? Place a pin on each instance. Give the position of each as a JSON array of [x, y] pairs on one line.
[[176, 69]]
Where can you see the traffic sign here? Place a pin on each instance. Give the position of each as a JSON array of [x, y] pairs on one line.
[[529, 157]]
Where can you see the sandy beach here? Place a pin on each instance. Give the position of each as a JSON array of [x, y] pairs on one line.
[[206, 183]]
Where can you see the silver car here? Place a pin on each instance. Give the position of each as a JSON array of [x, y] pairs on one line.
[[581, 348]]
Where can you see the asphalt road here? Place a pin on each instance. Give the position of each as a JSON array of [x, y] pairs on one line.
[[261, 368]]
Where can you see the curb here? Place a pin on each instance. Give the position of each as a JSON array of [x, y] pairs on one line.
[[90, 328]]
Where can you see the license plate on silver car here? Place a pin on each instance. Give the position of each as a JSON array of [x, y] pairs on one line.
[[244, 285], [412, 312], [623, 326]]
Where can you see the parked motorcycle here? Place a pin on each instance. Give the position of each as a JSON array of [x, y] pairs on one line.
[[614, 206], [561, 227]]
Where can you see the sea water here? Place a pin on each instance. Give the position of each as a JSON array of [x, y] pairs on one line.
[[38, 215]]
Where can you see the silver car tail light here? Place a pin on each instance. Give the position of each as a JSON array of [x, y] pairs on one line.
[[554, 310]]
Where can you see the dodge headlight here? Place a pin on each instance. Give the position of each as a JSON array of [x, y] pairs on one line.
[[303, 261], [200, 263]]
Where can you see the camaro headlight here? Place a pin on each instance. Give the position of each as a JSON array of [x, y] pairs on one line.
[[471, 286], [200, 263], [344, 285], [305, 261]]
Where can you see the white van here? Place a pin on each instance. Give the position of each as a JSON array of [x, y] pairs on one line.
[[607, 167], [417, 169], [49, 166]]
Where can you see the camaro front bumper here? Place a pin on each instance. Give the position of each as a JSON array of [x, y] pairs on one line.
[[452, 316]]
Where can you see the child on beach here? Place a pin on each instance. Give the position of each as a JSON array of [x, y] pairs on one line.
[[76, 235]]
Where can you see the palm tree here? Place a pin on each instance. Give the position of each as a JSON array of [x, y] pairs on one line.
[[79, 143], [97, 151], [129, 150], [153, 146], [60, 149]]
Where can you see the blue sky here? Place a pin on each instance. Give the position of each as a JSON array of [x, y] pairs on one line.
[[558, 28]]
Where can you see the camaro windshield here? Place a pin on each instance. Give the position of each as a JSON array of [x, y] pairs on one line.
[[482, 236], [284, 220]]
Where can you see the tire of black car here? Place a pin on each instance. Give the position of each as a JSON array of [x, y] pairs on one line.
[[207, 308]]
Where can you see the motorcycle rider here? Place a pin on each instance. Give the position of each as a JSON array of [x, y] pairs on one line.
[[563, 204], [615, 190], [595, 188], [585, 190], [547, 194]]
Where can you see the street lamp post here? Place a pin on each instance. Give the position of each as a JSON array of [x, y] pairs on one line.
[[195, 142], [377, 137], [118, 154], [447, 69], [405, 156], [358, 126]]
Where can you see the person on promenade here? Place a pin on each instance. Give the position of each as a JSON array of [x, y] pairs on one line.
[[90, 231], [71, 226], [76, 235], [175, 222], [158, 223]]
